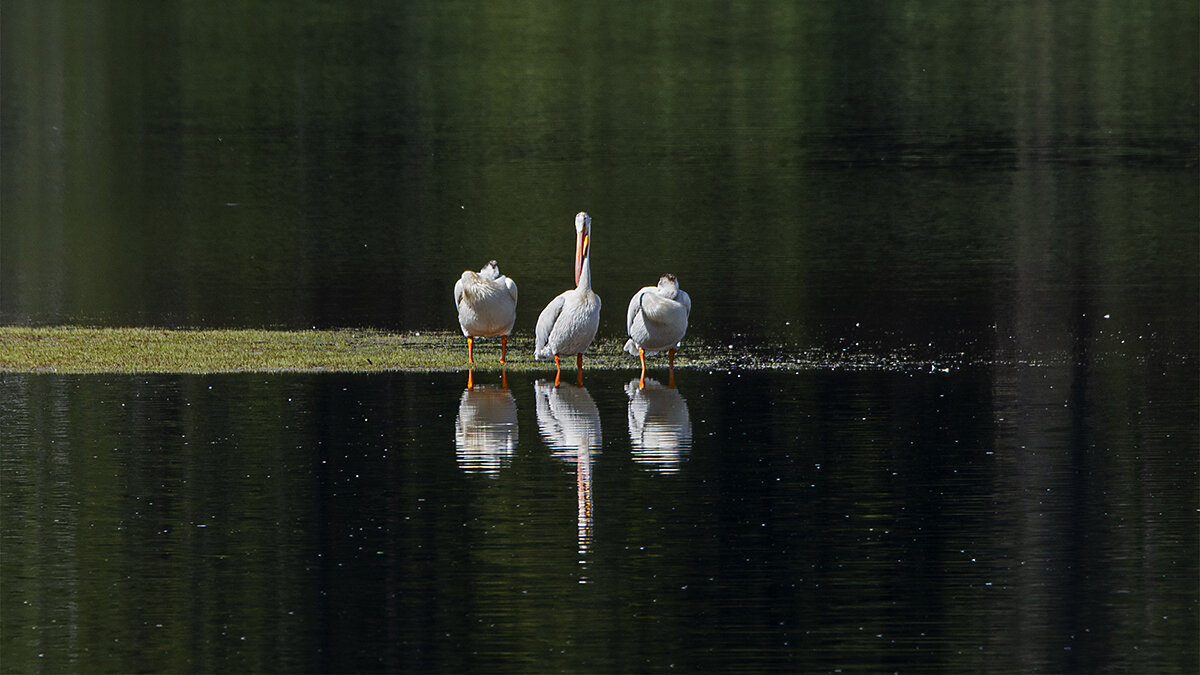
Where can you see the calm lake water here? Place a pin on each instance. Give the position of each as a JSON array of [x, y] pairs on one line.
[[1007, 195], [1006, 520]]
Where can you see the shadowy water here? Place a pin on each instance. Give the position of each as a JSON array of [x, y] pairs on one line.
[[1022, 518]]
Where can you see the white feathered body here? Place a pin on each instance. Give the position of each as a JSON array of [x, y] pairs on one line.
[[655, 320], [487, 304], [568, 324]]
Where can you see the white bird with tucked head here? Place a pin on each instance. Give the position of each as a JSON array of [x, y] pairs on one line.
[[487, 306], [568, 324], [657, 319]]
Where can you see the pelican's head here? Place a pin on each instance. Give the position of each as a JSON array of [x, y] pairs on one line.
[[583, 222], [583, 241], [490, 271], [668, 285]]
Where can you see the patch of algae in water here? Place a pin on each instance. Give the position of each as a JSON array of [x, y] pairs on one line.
[[150, 350], [78, 350]]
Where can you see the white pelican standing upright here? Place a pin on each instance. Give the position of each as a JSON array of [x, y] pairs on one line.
[[657, 319], [568, 324], [487, 306]]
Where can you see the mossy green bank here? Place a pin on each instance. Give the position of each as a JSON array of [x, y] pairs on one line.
[[150, 350]]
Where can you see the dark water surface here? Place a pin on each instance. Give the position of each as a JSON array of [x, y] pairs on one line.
[[915, 171], [1006, 194], [1019, 519]]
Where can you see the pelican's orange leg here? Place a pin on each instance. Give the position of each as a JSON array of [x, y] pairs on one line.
[[579, 369], [557, 371], [470, 349], [503, 347], [471, 379], [642, 356]]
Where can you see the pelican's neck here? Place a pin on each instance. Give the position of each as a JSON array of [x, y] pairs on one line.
[[585, 273]]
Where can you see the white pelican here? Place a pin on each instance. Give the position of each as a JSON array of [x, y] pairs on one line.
[[568, 324], [487, 305], [657, 319]]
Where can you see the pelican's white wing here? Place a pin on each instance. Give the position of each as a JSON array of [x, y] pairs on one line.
[[656, 309], [545, 324], [458, 292], [635, 306], [511, 286]]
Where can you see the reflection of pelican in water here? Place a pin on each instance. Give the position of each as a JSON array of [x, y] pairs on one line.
[[659, 426], [570, 423], [485, 430]]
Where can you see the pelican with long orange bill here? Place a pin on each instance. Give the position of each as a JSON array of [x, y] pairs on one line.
[[568, 324]]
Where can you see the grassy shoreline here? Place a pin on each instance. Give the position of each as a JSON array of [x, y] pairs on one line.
[[77, 350], [87, 351]]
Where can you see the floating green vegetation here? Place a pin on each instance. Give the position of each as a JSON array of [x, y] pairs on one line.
[[75, 350], [149, 350]]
